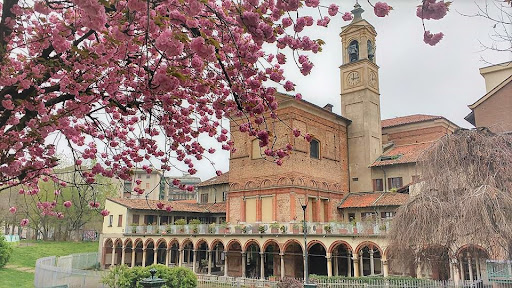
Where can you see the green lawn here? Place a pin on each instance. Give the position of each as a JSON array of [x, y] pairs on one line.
[[27, 252]]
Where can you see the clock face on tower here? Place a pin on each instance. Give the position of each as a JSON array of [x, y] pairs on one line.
[[353, 78], [372, 79]]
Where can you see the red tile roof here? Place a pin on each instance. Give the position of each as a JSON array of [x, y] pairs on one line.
[[177, 206], [386, 123], [403, 154], [373, 199], [222, 179]]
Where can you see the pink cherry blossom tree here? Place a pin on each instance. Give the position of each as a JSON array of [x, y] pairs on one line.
[[134, 84]]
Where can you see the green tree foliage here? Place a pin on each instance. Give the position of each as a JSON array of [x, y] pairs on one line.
[[72, 218], [5, 251], [124, 277]]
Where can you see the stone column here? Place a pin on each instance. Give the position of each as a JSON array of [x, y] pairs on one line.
[[349, 264], [133, 257], [155, 255], [113, 263], [123, 254], [181, 255], [329, 265], [455, 269], [418, 269], [243, 264], [470, 268], [361, 263], [143, 257], [282, 265], [225, 263], [209, 253], [478, 271], [167, 252], [194, 260], [461, 265], [372, 263], [355, 260], [335, 262], [262, 265], [385, 268]]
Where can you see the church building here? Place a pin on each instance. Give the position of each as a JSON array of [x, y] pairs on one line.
[[347, 182]]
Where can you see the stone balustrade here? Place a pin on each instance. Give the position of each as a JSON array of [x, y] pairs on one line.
[[314, 228]]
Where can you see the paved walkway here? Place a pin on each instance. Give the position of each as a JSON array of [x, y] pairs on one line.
[[20, 268]]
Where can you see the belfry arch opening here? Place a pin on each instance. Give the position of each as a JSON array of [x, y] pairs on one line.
[[353, 51]]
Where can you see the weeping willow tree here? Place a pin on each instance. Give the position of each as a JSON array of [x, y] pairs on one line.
[[465, 197]]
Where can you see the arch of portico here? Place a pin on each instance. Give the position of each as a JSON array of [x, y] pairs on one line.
[[341, 258], [128, 251], [218, 258], [108, 248], [148, 255], [370, 259], [174, 252], [201, 253], [265, 257], [161, 252], [471, 259], [317, 260]]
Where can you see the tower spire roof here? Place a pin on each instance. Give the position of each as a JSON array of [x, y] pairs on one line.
[[357, 12]]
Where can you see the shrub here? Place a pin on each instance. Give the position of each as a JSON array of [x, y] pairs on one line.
[[182, 278], [290, 283], [180, 222], [5, 251], [195, 222], [124, 277]]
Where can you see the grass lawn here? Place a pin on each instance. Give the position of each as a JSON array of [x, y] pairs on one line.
[[25, 254]]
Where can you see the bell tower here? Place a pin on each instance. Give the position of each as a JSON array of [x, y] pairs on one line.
[[360, 99]]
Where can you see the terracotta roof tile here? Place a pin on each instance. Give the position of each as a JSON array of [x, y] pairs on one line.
[[177, 206], [373, 199], [386, 123], [222, 179], [403, 154]]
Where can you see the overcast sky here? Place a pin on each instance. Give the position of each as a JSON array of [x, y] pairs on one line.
[[414, 77]]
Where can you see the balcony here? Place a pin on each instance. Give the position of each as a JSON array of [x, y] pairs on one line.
[[292, 228]]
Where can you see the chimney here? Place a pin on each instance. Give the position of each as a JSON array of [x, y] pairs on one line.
[[328, 107]]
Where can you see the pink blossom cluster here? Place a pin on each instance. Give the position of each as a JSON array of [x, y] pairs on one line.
[[24, 222], [112, 80], [431, 9], [381, 9], [432, 39], [94, 204], [347, 16]]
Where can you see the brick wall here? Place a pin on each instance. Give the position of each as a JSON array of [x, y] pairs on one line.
[[333, 165], [417, 135], [496, 111]]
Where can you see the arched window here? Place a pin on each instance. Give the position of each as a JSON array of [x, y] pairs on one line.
[[371, 50], [314, 149], [353, 51], [256, 150]]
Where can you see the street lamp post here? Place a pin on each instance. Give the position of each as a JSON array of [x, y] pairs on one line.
[[304, 229]]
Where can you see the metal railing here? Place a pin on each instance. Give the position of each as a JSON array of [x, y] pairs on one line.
[[205, 281], [499, 271], [394, 283], [76, 270], [314, 228]]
